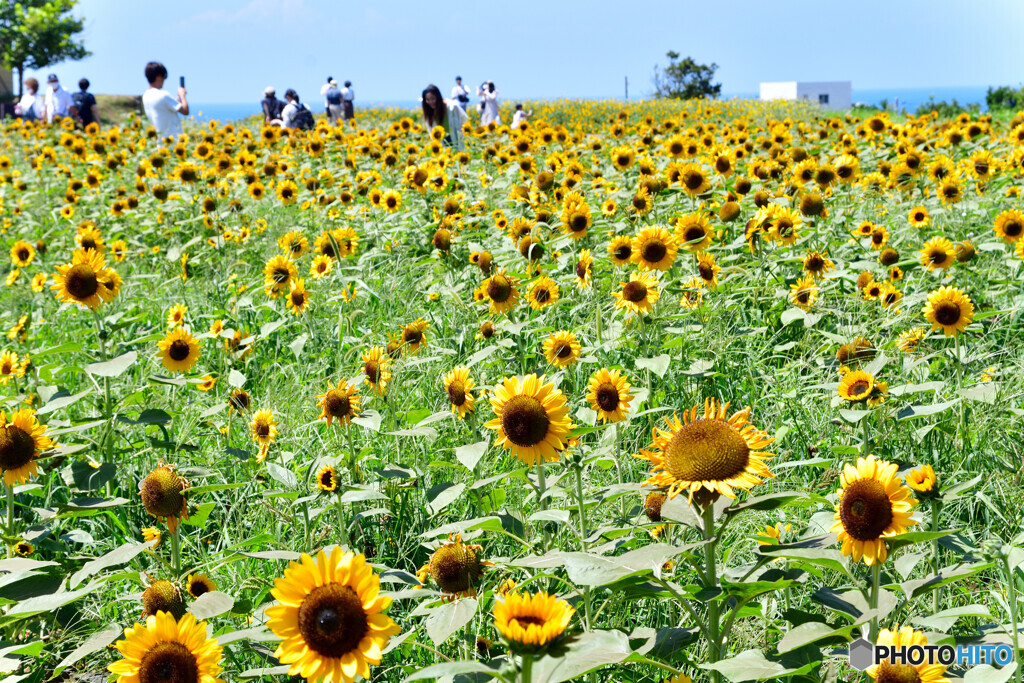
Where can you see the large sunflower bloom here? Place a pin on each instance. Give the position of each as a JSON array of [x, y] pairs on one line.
[[165, 649], [532, 621], [712, 452], [948, 309], [22, 440], [654, 248], [608, 395], [501, 291], [179, 350], [921, 673], [81, 282], [532, 418], [937, 252], [873, 504], [638, 295], [330, 618]]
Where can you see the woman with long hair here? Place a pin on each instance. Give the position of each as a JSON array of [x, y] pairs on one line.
[[439, 112]]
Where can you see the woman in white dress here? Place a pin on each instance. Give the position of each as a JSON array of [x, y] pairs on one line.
[[489, 97]]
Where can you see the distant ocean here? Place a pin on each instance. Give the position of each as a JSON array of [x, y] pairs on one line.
[[908, 98]]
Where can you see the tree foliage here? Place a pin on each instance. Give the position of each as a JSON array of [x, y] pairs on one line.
[[686, 79], [1004, 97], [37, 33]]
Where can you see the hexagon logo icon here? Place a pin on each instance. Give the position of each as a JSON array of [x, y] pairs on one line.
[[862, 654]]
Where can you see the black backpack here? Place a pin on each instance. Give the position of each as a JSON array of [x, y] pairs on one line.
[[304, 118]]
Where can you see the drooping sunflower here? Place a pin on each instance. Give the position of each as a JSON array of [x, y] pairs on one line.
[[459, 387], [654, 248], [166, 649], [708, 269], [330, 617], [584, 269], [414, 335], [264, 430], [638, 295], [455, 567], [562, 349], [179, 350], [532, 418], [620, 250], [341, 403], [608, 393], [327, 479], [873, 504], [708, 456], [22, 440], [948, 309], [377, 369], [1008, 226], [163, 496], [298, 298], [278, 274], [80, 281], [199, 584], [887, 671], [531, 623], [502, 292], [937, 252], [909, 339], [803, 293], [817, 264], [543, 293], [239, 400]]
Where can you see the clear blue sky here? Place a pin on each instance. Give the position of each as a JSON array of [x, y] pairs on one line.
[[230, 49]]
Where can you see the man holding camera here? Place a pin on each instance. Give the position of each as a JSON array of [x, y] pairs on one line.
[[162, 110]]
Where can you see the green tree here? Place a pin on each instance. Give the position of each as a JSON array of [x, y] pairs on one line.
[[37, 33], [686, 79]]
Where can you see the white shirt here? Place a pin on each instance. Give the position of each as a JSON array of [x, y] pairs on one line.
[[459, 91], [162, 111], [490, 112], [518, 118], [288, 114], [323, 91], [33, 103], [58, 100]]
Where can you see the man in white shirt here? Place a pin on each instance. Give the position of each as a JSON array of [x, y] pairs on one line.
[[460, 94], [58, 100], [161, 109]]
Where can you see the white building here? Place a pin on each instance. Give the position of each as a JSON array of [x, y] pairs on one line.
[[831, 94]]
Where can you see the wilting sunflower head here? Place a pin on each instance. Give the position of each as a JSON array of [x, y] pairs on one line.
[[330, 617], [708, 455], [532, 623], [163, 495], [872, 504], [167, 648], [163, 596], [652, 505], [456, 567], [239, 400]]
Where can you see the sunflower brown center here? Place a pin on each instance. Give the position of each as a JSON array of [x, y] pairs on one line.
[[693, 180], [337, 403], [23, 254], [331, 620], [372, 371], [17, 447], [499, 289], [937, 256], [865, 510], [706, 450], [412, 337], [179, 350], [694, 234], [581, 270], [607, 397], [327, 479], [80, 281], [199, 587], [623, 252], [527, 621], [860, 388], [919, 217], [457, 393], [634, 291], [453, 567], [654, 251], [281, 275], [579, 222], [1011, 229], [161, 493], [896, 673], [169, 663], [542, 295], [946, 313], [814, 264], [298, 298], [563, 351], [524, 421], [262, 429]]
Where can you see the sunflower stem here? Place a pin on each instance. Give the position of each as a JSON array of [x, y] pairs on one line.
[[936, 594], [526, 670], [1011, 589], [10, 518], [876, 575], [962, 425], [865, 437], [541, 487], [711, 577], [176, 552]]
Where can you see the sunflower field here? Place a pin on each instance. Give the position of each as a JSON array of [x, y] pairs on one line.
[[650, 392]]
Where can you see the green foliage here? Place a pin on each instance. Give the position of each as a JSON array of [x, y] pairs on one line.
[[686, 79], [37, 33], [1004, 98]]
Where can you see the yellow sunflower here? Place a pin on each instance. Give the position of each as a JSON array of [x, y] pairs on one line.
[[459, 387], [165, 649], [937, 252], [264, 429], [81, 281], [608, 393], [501, 291], [712, 453], [873, 504], [532, 622], [817, 264], [584, 269], [377, 369], [562, 349], [620, 250], [532, 418], [179, 350], [919, 673], [948, 309], [708, 269], [1008, 226], [694, 179], [330, 617], [654, 248], [413, 335], [340, 402], [327, 479], [176, 315], [199, 584], [22, 254], [803, 293], [543, 293], [638, 295], [693, 232], [22, 441], [856, 386], [298, 298], [278, 274], [918, 217]]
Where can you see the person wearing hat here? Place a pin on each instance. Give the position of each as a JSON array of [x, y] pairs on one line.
[[460, 94], [58, 100], [333, 101], [272, 107]]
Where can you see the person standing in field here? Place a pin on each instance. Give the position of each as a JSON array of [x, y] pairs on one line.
[[460, 94], [85, 103], [162, 110], [272, 106], [348, 97], [439, 112], [58, 101], [31, 107], [333, 96], [520, 116], [489, 99]]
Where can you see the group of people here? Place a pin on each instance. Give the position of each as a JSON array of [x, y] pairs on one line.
[[57, 103], [339, 103], [452, 113]]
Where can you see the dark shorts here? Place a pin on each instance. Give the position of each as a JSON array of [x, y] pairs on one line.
[[350, 110]]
